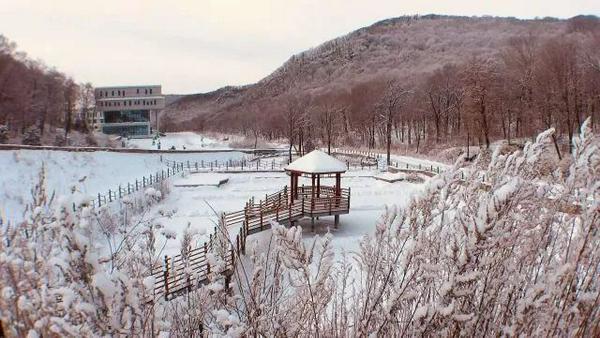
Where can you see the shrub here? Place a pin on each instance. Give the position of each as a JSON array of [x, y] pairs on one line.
[[32, 136], [3, 133]]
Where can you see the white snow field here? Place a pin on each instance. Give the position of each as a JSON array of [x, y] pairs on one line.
[[189, 140], [199, 200], [194, 205], [89, 173]]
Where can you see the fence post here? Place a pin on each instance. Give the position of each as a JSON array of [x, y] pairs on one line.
[[128, 188], [206, 257], [120, 194], [166, 277], [143, 181], [244, 232], [109, 196], [202, 163], [196, 165], [136, 185], [261, 215]]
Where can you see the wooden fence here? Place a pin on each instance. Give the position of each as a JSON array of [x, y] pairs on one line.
[[228, 165], [132, 187], [179, 274], [398, 165], [258, 165]]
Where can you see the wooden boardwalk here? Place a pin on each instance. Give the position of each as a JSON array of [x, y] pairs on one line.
[[180, 274]]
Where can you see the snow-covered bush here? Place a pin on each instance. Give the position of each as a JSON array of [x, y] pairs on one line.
[[32, 136], [56, 281], [60, 140], [510, 249], [507, 247], [3, 133]]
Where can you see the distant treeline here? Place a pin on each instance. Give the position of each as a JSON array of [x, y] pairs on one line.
[[419, 83], [36, 100]]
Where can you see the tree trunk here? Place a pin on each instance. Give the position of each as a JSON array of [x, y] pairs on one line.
[[389, 136]]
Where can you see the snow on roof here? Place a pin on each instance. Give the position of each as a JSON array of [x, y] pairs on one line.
[[317, 162]]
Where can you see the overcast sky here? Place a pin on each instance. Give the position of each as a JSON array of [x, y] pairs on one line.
[[198, 45]]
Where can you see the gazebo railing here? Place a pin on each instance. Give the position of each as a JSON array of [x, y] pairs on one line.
[[323, 191]]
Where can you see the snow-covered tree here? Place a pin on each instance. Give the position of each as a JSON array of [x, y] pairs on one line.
[[506, 247], [55, 281], [32, 136], [3, 133]]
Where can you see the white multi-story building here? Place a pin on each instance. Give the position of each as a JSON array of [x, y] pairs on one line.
[[128, 111]]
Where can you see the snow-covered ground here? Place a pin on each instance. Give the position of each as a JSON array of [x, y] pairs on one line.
[[95, 172], [182, 140], [88, 172], [197, 205]]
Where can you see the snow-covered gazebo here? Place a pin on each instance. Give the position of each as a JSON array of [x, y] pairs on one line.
[[319, 200]]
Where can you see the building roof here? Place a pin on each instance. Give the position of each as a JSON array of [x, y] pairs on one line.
[[127, 87], [317, 162]]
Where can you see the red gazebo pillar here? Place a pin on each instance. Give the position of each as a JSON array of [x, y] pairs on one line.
[[318, 185]]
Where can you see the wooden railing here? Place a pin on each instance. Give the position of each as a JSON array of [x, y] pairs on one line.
[[131, 187], [260, 165], [180, 274]]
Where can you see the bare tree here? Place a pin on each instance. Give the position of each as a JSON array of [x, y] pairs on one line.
[[388, 107], [444, 96], [86, 104], [295, 118], [479, 80]]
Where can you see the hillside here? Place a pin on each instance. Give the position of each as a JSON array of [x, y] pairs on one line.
[[406, 47]]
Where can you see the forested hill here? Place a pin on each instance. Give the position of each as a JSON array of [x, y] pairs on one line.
[[39, 104], [351, 73]]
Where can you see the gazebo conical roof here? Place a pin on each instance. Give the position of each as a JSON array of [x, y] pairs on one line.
[[317, 162]]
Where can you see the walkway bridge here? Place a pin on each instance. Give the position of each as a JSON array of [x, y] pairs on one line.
[[179, 274]]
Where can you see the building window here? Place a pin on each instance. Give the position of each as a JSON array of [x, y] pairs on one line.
[[137, 91], [150, 90]]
